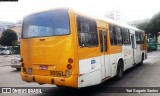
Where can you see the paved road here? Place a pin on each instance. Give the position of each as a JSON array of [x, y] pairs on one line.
[[146, 75]]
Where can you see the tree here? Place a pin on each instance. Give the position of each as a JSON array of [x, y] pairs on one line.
[[151, 27], [145, 25], [155, 24], [8, 38]]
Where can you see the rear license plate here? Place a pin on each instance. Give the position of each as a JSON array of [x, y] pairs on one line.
[[43, 67]]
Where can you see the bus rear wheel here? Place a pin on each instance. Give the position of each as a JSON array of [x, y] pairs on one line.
[[120, 71], [142, 59]]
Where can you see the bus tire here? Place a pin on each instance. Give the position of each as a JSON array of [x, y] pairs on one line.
[[142, 58], [120, 71]]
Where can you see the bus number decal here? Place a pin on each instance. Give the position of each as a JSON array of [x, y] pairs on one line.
[[56, 73]]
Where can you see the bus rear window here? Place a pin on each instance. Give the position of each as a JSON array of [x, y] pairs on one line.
[[51, 23]]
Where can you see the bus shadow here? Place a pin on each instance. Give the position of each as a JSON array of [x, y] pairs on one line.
[[88, 91], [134, 68]]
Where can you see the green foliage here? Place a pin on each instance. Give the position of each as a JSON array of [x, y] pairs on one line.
[[8, 38], [15, 43], [144, 26], [155, 21], [151, 27]]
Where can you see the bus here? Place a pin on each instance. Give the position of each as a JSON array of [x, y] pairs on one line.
[[152, 44], [66, 48]]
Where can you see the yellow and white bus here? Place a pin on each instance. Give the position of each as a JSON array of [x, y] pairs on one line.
[[65, 48]]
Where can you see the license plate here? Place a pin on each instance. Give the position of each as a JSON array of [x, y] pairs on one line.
[[43, 67]]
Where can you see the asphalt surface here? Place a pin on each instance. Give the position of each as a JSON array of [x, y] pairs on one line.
[[146, 75]]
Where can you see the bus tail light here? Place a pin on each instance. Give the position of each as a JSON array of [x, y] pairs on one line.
[[69, 66], [70, 60]]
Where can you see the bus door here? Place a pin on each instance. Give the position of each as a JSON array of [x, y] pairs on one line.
[[133, 47], [103, 50]]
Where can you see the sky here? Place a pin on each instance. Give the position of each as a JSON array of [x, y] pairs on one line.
[[132, 9]]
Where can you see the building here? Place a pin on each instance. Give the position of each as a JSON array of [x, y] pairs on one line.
[[116, 15]]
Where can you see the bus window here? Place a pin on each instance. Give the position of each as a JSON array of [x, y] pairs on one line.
[[139, 37], [126, 36], [111, 34], [115, 35], [87, 32], [105, 41], [50, 23], [118, 36], [101, 40]]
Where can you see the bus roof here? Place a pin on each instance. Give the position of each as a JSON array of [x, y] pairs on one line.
[[103, 19], [37, 12]]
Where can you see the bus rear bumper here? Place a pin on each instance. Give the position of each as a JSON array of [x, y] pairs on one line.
[[59, 81]]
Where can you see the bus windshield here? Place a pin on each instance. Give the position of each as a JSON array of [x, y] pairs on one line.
[[50, 23]]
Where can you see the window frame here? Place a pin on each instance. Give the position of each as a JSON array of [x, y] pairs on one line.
[[92, 31], [114, 35], [139, 36], [124, 31]]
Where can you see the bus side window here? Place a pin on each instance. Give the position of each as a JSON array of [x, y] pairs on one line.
[[87, 32], [118, 35], [126, 36], [111, 34], [115, 35], [139, 37], [105, 40]]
